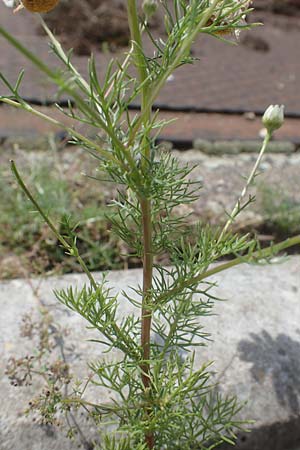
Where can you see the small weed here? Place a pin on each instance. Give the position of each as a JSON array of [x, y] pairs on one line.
[[27, 246], [27, 242], [281, 212]]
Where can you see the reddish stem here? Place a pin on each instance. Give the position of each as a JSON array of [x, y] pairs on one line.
[[146, 317]]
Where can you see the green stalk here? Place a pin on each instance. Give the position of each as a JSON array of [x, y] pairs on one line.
[[66, 86], [155, 89], [72, 251], [136, 38], [184, 48], [145, 203], [246, 187], [255, 256], [71, 131]]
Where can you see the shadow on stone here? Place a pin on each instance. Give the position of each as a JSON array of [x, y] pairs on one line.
[[278, 436], [279, 360]]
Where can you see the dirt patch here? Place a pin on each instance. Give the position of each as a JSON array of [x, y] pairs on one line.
[[90, 23]]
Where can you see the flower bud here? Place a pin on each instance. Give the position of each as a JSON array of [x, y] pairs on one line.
[[149, 7], [273, 117]]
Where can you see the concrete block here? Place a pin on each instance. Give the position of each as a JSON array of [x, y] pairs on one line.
[[255, 348]]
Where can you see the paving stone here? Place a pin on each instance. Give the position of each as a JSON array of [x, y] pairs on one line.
[[189, 128], [222, 177], [255, 349], [236, 147], [227, 78]]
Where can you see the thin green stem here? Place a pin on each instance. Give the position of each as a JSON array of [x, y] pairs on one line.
[[145, 203], [53, 75], [252, 258], [27, 53], [139, 59], [71, 131], [71, 249], [66, 86], [146, 313], [80, 80], [156, 88], [136, 38], [250, 179]]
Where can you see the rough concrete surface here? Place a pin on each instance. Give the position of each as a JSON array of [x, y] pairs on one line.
[[223, 178], [255, 346]]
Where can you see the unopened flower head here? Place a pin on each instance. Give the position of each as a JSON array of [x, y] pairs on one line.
[[273, 117], [149, 7], [34, 6]]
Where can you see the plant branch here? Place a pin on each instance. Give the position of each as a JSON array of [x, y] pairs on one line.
[[252, 258], [146, 313], [147, 284], [156, 88], [90, 144], [246, 187], [136, 38], [70, 248], [67, 87]]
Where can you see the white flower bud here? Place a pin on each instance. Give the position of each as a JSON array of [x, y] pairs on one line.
[[149, 7], [273, 117]]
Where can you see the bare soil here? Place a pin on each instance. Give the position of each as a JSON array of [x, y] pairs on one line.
[[86, 24], [92, 24]]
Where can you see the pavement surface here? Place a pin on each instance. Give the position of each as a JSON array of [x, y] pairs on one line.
[[255, 348], [183, 132], [263, 69]]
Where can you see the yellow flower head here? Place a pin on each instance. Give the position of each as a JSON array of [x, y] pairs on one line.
[[40, 6]]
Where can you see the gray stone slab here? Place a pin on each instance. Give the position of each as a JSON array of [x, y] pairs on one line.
[[255, 349]]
